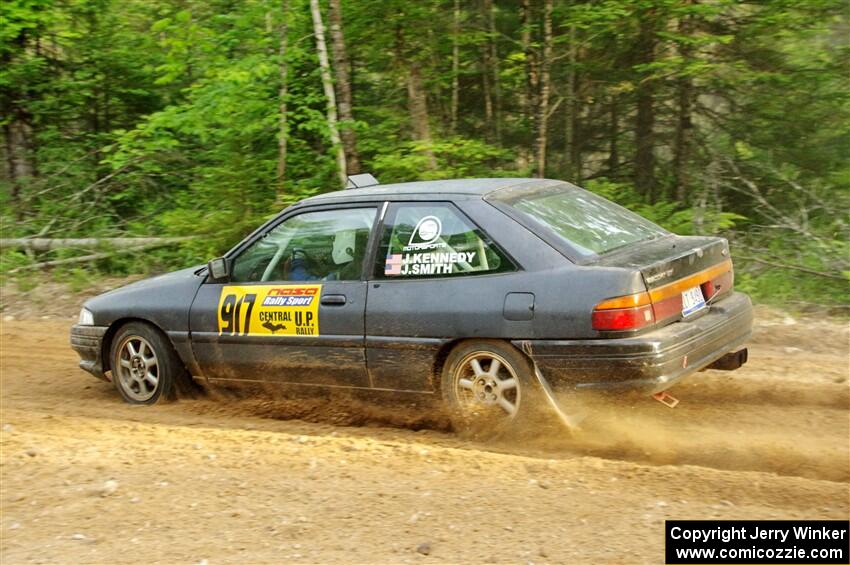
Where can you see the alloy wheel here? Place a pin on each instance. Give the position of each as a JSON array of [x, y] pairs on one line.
[[137, 369], [485, 381]]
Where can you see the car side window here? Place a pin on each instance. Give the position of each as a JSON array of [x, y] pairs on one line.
[[424, 240], [313, 246]]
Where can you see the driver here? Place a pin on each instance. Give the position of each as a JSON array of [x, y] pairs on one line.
[[298, 266], [349, 250]]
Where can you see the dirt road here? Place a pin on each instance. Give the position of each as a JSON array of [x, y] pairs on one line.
[[87, 479]]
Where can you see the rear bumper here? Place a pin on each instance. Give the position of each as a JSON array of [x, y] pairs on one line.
[[650, 362], [87, 341]]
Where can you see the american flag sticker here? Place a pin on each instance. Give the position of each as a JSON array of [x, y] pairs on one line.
[[393, 266]]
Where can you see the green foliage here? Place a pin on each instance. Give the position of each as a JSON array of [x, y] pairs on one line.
[[161, 118], [77, 279], [456, 157]]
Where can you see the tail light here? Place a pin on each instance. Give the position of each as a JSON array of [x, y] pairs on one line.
[[624, 313], [636, 311]]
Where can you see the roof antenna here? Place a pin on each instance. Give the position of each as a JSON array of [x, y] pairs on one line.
[[361, 181]]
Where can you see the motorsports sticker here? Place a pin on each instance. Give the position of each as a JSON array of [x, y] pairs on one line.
[[423, 256], [269, 310]]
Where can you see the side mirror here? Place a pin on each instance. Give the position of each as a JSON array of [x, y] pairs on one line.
[[219, 269]]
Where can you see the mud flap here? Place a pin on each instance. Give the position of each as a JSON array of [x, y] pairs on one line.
[[571, 421]]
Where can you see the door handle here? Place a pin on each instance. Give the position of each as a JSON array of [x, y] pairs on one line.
[[333, 300]]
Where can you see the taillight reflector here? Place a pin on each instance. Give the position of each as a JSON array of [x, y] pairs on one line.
[[623, 313], [622, 319], [630, 301]]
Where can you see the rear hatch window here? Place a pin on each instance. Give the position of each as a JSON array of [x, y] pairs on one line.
[[588, 224]]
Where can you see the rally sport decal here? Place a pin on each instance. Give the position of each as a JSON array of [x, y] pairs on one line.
[[269, 310]]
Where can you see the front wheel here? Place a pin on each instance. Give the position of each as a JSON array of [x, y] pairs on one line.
[[488, 388], [145, 367]]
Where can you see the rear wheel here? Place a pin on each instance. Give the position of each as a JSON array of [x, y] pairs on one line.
[[488, 387], [145, 367]]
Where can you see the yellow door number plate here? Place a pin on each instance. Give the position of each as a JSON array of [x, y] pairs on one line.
[[269, 310]]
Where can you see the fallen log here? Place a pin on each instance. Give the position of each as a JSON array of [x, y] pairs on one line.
[[791, 267], [97, 256], [48, 244]]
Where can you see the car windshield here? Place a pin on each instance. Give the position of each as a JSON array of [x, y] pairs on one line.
[[588, 223]]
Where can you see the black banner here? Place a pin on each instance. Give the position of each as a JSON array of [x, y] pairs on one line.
[[744, 542]]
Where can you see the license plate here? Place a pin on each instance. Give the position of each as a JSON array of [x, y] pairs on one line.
[[692, 301]]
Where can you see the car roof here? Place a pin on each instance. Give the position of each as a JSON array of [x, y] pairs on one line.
[[453, 187]]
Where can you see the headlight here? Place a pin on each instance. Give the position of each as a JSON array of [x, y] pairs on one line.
[[86, 318]]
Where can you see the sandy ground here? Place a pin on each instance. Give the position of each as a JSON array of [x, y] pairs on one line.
[[87, 479]]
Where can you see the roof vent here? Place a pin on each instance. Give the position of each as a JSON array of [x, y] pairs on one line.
[[361, 181]]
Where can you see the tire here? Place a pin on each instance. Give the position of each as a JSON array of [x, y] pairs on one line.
[[487, 403], [145, 367]]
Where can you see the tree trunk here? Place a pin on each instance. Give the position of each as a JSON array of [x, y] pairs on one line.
[[18, 137], [493, 56], [330, 96], [343, 85], [529, 101], [407, 64], [613, 136], [684, 125], [455, 65], [107, 96], [19, 165], [543, 102], [644, 174], [684, 122], [95, 127], [530, 66], [282, 120], [488, 94], [573, 144], [486, 78], [419, 109]]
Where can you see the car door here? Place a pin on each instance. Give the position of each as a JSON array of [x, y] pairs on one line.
[[437, 277], [293, 309]]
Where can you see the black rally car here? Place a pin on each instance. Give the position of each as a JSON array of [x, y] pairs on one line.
[[482, 290]]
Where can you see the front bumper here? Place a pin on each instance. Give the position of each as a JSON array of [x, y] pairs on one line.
[[87, 341], [648, 363]]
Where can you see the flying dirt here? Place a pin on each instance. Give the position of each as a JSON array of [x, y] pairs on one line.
[[89, 479]]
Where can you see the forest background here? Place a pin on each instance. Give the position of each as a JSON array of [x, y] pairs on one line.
[[198, 119]]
